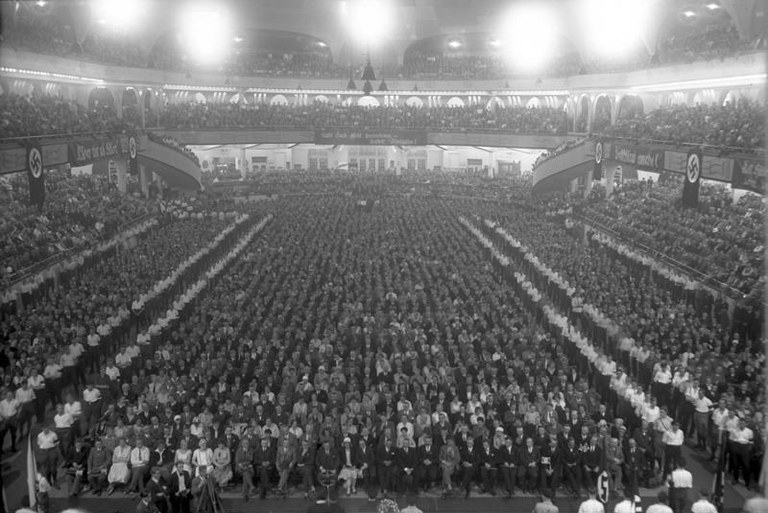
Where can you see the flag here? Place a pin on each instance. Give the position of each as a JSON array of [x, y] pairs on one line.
[[133, 153], [597, 172], [692, 180], [603, 487], [637, 506], [718, 482], [36, 176], [31, 473]]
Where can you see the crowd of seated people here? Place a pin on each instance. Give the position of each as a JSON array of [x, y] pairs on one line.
[[321, 115], [737, 125], [452, 67], [381, 346], [721, 239], [707, 43], [78, 211], [34, 115]]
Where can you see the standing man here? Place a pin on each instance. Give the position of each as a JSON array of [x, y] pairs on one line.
[[180, 489], [592, 505], [680, 483], [545, 505]]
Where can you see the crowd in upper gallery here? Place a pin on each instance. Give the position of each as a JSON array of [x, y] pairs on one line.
[[681, 43]]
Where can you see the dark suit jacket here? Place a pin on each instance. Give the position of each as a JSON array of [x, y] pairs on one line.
[[592, 458], [261, 456], [156, 491], [329, 461], [526, 457], [634, 462], [367, 455], [407, 458], [433, 454], [173, 487], [507, 455], [475, 457], [383, 455]]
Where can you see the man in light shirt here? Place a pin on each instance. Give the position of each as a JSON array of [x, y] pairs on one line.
[[9, 417], [741, 443], [719, 418], [703, 505], [48, 454], [680, 483], [52, 375], [592, 505], [91, 406], [662, 506], [139, 466], [702, 408], [673, 442], [37, 383]]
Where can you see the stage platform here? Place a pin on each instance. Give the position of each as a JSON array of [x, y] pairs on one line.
[[358, 503]]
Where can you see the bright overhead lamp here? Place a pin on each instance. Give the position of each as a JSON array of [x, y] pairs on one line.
[[237, 39], [41, 3], [206, 33], [454, 44], [322, 44], [713, 6], [369, 22], [114, 12], [616, 28], [689, 13], [529, 33]]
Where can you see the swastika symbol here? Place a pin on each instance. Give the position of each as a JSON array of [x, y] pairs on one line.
[[35, 162], [694, 168]]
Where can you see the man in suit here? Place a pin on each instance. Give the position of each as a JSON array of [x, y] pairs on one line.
[[551, 469], [264, 457], [305, 464], [489, 462], [508, 461], [634, 466], [407, 460], [157, 491], [180, 489], [470, 463], [643, 437], [591, 460], [386, 458], [426, 470], [528, 469], [572, 467], [365, 462], [244, 467]]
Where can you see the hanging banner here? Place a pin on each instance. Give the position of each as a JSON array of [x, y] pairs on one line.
[[133, 152], [36, 175], [86, 152], [378, 138], [597, 171], [692, 180]]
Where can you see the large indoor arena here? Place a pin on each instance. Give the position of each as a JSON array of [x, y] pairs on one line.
[[382, 256]]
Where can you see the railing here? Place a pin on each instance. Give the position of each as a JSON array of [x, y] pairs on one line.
[[697, 275], [52, 260], [720, 150], [22, 138], [436, 129]]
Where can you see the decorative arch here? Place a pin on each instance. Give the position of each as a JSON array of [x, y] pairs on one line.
[[455, 101], [601, 118], [278, 99], [321, 98], [414, 101], [237, 99], [495, 102], [729, 98], [704, 97], [200, 98], [101, 98], [533, 103], [368, 101], [129, 104], [630, 106]]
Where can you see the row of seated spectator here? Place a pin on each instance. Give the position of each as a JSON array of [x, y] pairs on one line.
[[79, 211], [404, 338], [22, 116], [738, 125], [690, 44], [169, 141], [720, 239], [323, 115], [659, 320]]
